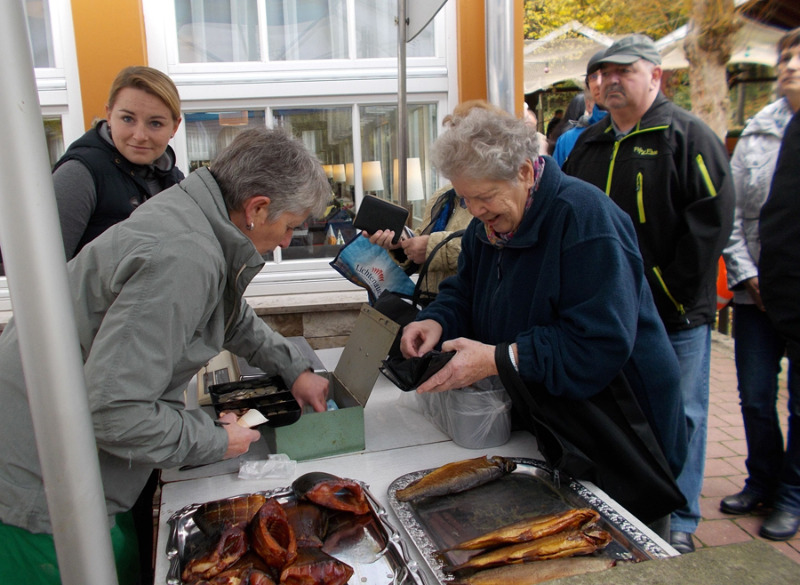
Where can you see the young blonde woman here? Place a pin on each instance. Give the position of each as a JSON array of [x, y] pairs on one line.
[[122, 161]]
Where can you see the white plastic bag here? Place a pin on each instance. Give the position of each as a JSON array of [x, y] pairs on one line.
[[278, 465], [475, 417]]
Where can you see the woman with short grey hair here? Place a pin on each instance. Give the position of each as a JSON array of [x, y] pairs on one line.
[[156, 297], [551, 295]]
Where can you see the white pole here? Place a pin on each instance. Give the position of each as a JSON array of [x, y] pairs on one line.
[[500, 54], [30, 237], [402, 105]]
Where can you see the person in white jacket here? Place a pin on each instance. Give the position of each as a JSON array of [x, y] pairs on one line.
[[155, 297], [773, 471]]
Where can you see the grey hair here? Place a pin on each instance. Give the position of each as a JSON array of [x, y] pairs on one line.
[[275, 164], [485, 145]]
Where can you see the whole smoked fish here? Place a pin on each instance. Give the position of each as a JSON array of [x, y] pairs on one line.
[[529, 529], [538, 572], [456, 477], [568, 543]]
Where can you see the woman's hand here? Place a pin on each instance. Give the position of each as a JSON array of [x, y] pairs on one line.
[[416, 248], [383, 238], [419, 337], [473, 361], [312, 389], [239, 438]]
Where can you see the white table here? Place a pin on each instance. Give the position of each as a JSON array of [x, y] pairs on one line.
[[399, 440]]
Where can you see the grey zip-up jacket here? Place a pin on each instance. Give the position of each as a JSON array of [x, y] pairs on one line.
[[155, 298], [753, 165]]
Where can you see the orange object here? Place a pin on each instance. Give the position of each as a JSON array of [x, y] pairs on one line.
[[724, 295]]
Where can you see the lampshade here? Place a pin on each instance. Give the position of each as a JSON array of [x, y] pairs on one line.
[[238, 118], [328, 171], [414, 188], [371, 176], [415, 191], [349, 173], [339, 174]]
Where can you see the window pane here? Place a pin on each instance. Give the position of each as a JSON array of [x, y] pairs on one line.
[[376, 32], [213, 31], [38, 13], [328, 132], [55, 139], [311, 29], [379, 144], [209, 132]]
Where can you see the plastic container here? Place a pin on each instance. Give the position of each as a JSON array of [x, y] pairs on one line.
[[475, 417]]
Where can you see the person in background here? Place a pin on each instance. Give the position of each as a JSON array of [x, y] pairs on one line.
[[670, 173], [155, 298], [773, 472], [554, 121], [445, 213], [122, 161], [594, 110], [520, 296]]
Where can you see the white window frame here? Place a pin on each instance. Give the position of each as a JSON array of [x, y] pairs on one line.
[[59, 91], [278, 84]]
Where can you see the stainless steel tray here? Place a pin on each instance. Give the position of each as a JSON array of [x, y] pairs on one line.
[[437, 523], [374, 549]]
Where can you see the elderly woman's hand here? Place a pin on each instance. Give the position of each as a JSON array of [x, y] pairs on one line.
[[473, 361], [312, 389], [383, 238], [419, 337]]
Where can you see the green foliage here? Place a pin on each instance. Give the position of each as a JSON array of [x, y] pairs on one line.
[[655, 18]]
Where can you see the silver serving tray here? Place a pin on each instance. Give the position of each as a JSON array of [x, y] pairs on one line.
[[373, 549], [440, 522]]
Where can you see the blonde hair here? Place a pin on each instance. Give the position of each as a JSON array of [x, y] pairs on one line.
[[148, 80]]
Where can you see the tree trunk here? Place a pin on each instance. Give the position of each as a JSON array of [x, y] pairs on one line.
[[708, 47]]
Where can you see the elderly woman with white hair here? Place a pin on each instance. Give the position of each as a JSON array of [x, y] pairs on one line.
[[550, 294]]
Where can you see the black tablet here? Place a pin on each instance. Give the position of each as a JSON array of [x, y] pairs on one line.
[[378, 214]]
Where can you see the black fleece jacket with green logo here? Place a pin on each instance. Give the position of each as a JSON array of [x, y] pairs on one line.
[[671, 174]]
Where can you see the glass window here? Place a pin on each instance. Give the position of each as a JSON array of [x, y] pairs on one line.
[[307, 30], [214, 31], [55, 138], [379, 154], [376, 32], [327, 132], [209, 132], [41, 33], [218, 31]]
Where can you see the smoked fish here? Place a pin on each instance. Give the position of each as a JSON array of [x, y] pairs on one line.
[[456, 477], [529, 529], [567, 543], [538, 572]]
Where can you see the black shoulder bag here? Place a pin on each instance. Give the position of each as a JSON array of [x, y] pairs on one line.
[[605, 439], [403, 309]]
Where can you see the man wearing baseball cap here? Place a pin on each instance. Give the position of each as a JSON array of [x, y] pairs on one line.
[[669, 171], [594, 109]]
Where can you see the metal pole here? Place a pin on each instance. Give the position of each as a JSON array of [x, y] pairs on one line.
[[37, 280], [500, 54], [402, 116]]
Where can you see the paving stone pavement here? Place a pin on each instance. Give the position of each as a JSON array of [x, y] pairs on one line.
[[726, 451]]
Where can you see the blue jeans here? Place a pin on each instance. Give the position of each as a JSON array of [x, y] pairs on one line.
[[773, 473], [693, 348]]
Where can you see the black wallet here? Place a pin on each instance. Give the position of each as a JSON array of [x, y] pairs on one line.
[[408, 374], [378, 214]]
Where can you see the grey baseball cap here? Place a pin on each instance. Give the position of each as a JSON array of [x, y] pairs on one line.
[[630, 49]]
